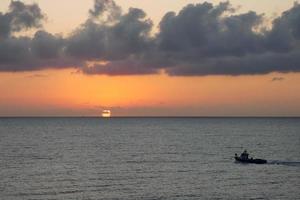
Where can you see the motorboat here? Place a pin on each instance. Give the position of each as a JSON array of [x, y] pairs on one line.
[[250, 160]]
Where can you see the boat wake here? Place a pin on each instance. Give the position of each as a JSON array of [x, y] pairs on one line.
[[286, 163]]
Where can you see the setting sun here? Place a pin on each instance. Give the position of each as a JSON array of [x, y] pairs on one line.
[[106, 113], [149, 99]]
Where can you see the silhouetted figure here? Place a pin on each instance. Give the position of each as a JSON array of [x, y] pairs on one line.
[[244, 155]]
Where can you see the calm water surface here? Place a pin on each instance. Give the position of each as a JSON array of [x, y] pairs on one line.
[[148, 158]]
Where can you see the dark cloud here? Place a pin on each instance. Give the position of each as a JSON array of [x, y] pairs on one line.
[[20, 17], [105, 10], [46, 46], [42, 51], [205, 40], [246, 65], [201, 39], [124, 36]]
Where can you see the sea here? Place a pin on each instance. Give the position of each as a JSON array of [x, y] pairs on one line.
[[148, 158]]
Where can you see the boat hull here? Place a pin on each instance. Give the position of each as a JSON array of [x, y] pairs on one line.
[[251, 161]]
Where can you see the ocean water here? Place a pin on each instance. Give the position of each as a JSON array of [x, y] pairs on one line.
[[148, 158]]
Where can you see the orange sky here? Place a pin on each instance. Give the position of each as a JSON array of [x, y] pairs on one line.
[[63, 92], [67, 93]]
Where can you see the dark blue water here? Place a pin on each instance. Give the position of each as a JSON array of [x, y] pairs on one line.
[[148, 158]]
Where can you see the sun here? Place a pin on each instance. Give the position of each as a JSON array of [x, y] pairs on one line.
[[106, 113]]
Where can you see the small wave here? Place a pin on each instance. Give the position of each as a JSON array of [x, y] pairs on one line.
[[286, 163]]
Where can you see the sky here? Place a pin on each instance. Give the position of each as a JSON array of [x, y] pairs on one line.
[[149, 58]]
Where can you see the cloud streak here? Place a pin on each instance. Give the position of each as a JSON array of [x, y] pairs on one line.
[[201, 39], [277, 79]]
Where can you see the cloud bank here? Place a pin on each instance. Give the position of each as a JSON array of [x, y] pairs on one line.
[[201, 39]]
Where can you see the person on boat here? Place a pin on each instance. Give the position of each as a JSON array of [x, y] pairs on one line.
[[245, 155]]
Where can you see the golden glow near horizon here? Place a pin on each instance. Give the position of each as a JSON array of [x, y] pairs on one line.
[[63, 93]]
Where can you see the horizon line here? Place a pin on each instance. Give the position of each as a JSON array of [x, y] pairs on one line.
[[184, 116]]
